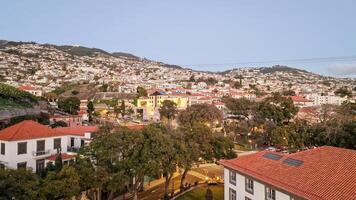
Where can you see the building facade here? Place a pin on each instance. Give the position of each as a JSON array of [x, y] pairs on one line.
[[29, 144], [324, 173]]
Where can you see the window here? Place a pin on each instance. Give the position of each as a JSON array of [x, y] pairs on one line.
[[232, 194], [81, 143], [2, 148], [21, 148], [246, 198], [249, 185], [40, 147], [232, 177], [57, 143], [72, 142], [21, 165], [40, 165], [270, 194]]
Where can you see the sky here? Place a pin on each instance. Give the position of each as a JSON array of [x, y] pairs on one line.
[[213, 35]]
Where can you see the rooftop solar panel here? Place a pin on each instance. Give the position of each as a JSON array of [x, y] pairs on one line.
[[293, 162], [272, 156]]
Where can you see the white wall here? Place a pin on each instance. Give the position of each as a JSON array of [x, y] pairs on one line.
[[10, 159], [259, 188]]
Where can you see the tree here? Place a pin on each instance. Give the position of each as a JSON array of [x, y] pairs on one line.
[[63, 184], [69, 105], [168, 110], [60, 123], [343, 91], [19, 184], [104, 88], [200, 113], [209, 194], [141, 92], [288, 93], [123, 108], [277, 109], [192, 78], [90, 110], [237, 85]]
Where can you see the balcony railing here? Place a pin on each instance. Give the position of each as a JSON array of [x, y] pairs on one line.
[[41, 153], [73, 149]]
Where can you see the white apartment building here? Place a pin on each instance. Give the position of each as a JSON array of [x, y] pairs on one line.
[[318, 99], [324, 173], [29, 144]]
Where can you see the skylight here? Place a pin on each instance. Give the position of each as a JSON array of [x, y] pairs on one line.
[[272, 156], [293, 162]]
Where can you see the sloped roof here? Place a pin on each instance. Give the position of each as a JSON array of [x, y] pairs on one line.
[[26, 129], [29, 129], [326, 172]]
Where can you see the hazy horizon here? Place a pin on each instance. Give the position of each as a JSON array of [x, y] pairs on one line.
[[202, 35]]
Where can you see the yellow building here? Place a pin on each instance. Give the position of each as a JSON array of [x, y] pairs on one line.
[[149, 105]]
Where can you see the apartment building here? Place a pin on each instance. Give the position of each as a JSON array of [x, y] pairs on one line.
[[29, 144], [324, 173], [318, 99], [148, 106]]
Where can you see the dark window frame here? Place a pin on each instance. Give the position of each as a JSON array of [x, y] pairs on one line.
[[23, 149], [232, 177], [22, 163], [249, 185], [55, 143], [270, 193], [232, 191], [3, 151]]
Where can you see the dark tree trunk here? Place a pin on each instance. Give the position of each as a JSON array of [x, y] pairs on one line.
[[166, 185], [182, 180]]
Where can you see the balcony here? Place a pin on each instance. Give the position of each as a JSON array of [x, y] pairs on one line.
[[41, 153], [73, 149]]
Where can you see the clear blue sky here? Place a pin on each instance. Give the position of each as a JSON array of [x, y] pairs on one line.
[[194, 32]]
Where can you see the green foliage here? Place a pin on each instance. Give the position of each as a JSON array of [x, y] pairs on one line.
[[59, 124], [19, 184], [209, 81], [63, 184], [277, 109], [288, 93], [75, 92], [141, 92], [168, 109], [42, 118], [104, 88], [343, 91], [90, 110], [13, 94], [69, 105], [199, 113]]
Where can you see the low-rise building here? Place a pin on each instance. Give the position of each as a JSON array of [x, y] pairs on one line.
[[324, 173], [29, 144]]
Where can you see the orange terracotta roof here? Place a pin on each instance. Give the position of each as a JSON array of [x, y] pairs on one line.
[[76, 130], [27, 129], [299, 99], [326, 172], [27, 87], [64, 157]]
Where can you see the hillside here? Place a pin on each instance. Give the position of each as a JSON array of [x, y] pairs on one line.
[[11, 97]]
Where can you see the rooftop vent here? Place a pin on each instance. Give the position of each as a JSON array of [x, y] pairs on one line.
[[293, 162], [272, 156]]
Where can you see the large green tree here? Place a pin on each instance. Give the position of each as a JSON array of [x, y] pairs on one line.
[[69, 105]]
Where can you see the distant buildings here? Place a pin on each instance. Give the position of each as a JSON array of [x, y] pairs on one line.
[[324, 173]]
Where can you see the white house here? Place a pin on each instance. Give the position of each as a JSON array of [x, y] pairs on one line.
[[29, 144], [324, 173]]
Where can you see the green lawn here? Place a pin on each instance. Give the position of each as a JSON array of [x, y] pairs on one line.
[[199, 193]]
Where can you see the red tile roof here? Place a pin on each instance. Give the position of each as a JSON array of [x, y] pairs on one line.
[[326, 173], [76, 130], [27, 88], [29, 129], [299, 99], [64, 157]]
